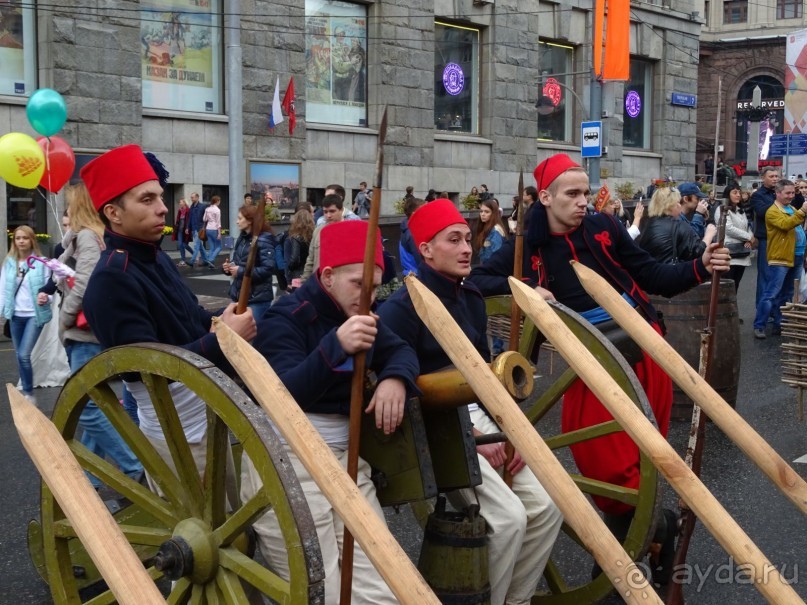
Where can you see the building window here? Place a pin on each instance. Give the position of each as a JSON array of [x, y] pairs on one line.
[[637, 106], [456, 78], [555, 95], [788, 9], [336, 62], [181, 55], [17, 48], [735, 11], [773, 98]]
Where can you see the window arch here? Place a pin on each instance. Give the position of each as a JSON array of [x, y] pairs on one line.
[[773, 94]]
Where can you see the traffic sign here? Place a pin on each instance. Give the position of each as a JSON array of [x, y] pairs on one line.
[[788, 144], [591, 139]]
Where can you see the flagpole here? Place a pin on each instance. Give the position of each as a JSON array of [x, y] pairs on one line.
[[235, 104]]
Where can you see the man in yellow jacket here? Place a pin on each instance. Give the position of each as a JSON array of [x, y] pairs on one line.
[[786, 243]]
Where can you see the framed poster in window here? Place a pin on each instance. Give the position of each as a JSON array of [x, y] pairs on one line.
[[456, 78], [281, 179], [17, 48], [336, 62], [181, 55]]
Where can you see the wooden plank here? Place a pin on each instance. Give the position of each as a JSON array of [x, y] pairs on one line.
[[107, 546], [364, 524], [577, 511]]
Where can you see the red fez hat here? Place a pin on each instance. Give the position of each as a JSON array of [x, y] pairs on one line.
[[115, 172], [343, 243], [430, 219], [551, 168], [603, 197]]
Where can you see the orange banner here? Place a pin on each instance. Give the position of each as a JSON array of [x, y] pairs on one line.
[[617, 41], [599, 36]]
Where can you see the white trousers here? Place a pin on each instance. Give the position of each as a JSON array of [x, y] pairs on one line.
[[369, 588], [522, 525]]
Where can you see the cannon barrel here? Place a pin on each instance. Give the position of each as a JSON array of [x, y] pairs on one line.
[[448, 388]]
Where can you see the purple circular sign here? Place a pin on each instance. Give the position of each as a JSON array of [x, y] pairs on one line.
[[633, 103], [453, 79]]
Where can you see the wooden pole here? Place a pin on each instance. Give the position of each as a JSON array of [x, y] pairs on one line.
[[730, 535], [515, 312], [246, 279], [720, 412], [105, 543], [368, 528], [359, 359], [577, 511]]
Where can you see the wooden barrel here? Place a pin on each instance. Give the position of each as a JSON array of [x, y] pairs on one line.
[[685, 316], [454, 556]]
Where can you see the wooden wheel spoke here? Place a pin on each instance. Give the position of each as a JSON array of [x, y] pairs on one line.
[[551, 395], [180, 593], [590, 432], [255, 574], [215, 478], [147, 536], [176, 441], [197, 595], [627, 495], [231, 588], [105, 598], [242, 518], [212, 593], [554, 578]]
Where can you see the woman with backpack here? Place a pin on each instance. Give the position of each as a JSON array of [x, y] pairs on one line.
[[260, 298]]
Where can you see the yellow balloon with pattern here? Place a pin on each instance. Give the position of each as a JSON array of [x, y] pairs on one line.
[[22, 161]]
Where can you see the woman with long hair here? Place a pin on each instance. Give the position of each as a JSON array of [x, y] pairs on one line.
[[295, 248], [212, 219], [23, 306], [739, 236], [83, 244], [490, 232], [180, 224], [260, 298]]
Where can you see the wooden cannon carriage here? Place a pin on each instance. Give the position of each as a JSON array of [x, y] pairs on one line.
[[221, 550]]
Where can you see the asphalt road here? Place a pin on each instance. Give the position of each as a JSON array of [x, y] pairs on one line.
[[767, 516]]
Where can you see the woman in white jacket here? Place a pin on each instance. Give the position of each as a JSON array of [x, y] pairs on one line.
[[739, 236]]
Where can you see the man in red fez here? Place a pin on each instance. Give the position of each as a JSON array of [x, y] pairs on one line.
[[135, 293], [559, 231], [310, 338], [522, 522]]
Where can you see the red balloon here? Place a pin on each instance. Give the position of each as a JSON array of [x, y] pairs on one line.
[[60, 161]]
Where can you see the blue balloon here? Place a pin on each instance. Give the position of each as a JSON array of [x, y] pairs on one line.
[[46, 111]]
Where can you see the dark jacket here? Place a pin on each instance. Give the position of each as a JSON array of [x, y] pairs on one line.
[[295, 249], [262, 271], [196, 216], [462, 300], [298, 338], [762, 199], [618, 259], [668, 240], [135, 294]]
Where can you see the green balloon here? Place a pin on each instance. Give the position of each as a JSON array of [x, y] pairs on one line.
[[46, 111]]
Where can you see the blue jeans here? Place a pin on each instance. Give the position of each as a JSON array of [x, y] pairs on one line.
[[259, 308], [762, 269], [215, 244], [24, 334], [778, 290], [182, 245], [130, 405], [99, 436], [198, 248]]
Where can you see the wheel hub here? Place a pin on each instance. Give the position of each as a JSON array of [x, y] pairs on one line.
[[190, 552]]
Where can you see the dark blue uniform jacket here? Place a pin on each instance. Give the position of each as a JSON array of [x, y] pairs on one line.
[[298, 338]]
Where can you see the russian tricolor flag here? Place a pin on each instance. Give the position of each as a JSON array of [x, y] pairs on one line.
[[276, 115]]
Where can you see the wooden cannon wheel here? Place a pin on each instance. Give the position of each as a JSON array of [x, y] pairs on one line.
[[193, 515], [645, 499]]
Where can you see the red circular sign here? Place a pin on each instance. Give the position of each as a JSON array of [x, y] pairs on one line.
[[553, 90]]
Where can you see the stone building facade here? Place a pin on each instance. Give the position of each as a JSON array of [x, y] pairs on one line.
[[742, 43], [114, 67]]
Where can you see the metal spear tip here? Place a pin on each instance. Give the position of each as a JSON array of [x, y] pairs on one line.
[[382, 129]]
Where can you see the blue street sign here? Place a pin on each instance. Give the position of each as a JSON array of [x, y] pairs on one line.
[[788, 144], [685, 100], [591, 139]]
